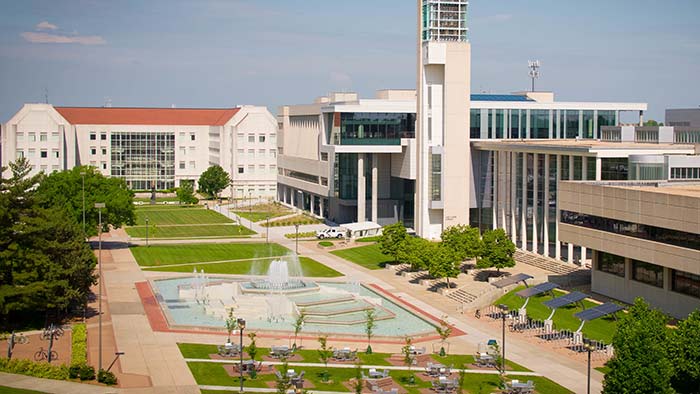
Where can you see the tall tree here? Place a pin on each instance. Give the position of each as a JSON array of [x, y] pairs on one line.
[[684, 352], [213, 181], [416, 252], [64, 189], [370, 325], [443, 263], [465, 241], [641, 364], [498, 250], [185, 193], [392, 240]]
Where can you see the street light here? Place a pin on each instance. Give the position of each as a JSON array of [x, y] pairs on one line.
[[99, 206], [146, 231], [82, 174], [589, 348], [241, 327], [267, 232], [296, 227], [504, 311]]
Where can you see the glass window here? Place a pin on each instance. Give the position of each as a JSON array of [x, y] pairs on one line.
[[103, 136], [648, 273], [251, 138], [685, 283], [475, 123], [273, 168], [261, 138], [182, 165], [251, 169], [32, 137], [611, 263], [436, 177], [251, 152], [240, 169], [54, 137], [43, 154], [363, 128], [193, 165], [539, 123], [515, 125], [93, 151], [20, 154], [324, 156], [324, 181], [55, 154], [240, 152], [93, 136], [104, 151], [613, 169], [192, 137], [20, 137], [570, 123], [261, 152], [31, 153], [104, 165], [43, 137], [261, 168], [588, 131], [240, 138], [273, 153], [273, 137]]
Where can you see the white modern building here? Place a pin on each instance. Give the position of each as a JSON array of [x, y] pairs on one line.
[[149, 147]]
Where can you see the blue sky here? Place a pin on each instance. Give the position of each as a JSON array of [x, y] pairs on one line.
[[219, 53]]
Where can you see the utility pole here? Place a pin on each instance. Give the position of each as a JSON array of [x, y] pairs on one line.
[[534, 66]]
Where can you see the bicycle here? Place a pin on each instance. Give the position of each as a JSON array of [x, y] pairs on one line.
[[44, 355], [477, 314], [20, 339]]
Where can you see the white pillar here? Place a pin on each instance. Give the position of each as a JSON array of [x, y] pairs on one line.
[[503, 191], [311, 204], [557, 244], [513, 188], [598, 169], [320, 207], [494, 190], [361, 188], [571, 178], [375, 198], [545, 208], [535, 197], [584, 176], [523, 209]]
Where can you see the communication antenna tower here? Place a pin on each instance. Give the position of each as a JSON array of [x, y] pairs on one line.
[[534, 66]]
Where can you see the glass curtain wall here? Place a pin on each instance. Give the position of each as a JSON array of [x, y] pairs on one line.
[[515, 125], [588, 123], [475, 123], [363, 128], [539, 123], [570, 123], [605, 118], [144, 160], [614, 169]]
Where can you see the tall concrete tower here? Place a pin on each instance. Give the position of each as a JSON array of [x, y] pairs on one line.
[[444, 73]]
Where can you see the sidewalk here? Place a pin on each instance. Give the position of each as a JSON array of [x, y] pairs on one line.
[[52, 386]]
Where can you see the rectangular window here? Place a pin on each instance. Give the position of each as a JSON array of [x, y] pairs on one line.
[[55, 154], [93, 151], [436, 177], [54, 168], [685, 283], [273, 138], [251, 138], [251, 153], [240, 139], [261, 168], [251, 169], [103, 136], [240, 152], [104, 165], [192, 137], [648, 273], [192, 165], [32, 137], [183, 151], [240, 169], [280, 151], [182, 165], [181, 137], [273, 168], [104, 151], [43, 137], [324, 181], [44, 154], [44, 168], [20, 154], [31, 153], [20, 137], [273, 153], [611, 263], [261, 152], [261, 138], [192, 148], [54, 137], [324, 156], [93, 136]]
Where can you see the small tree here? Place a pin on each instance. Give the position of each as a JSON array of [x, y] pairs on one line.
[[185, 193], [641, 363], [324, 353], [231, 323], [283, 383], [370, 324], [408, 358], [213, 181], [252, 352], [444, 331], [416, 252], [443, 263], [498, 250], [464, 241], [392, 240], [462, 379], [684, 352], [298, 326], [357, 385]]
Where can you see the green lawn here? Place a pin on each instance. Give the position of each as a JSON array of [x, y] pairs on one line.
[[178, 215], [212, 230], [367, 256], [156, 255], [457, 360], [12, 390], [260, 212], [601, 329], [309, 267], [291, 221]]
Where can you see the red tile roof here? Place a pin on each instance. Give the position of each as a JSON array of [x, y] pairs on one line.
[[148, 116]]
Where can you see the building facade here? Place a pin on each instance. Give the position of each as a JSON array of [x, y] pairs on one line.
[[149, 147]]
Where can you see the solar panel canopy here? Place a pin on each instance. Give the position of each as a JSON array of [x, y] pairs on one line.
[[535, 290], [566, 299], [599, 311], [511, 280]]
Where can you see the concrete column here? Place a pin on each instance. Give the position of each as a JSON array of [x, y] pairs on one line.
[[503, 191], [557, 244], [571, 178], [361, 202], [513, 220], [320, 207], [523, 209], [535, 197], [598, 169], [545, 208], [375, 191], [311, 204], [584, 176], [293, 198], [494, 190]]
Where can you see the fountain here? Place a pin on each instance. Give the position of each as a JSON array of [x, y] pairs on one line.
[[282, 277]]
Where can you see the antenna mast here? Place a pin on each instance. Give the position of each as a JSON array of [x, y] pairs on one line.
[[534, 66]]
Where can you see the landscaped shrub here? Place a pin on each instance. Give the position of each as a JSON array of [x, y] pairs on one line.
[[74, 371], [309, 234], [36, 369], [106, 377], [87, 372], [79, 345], [325, 243]]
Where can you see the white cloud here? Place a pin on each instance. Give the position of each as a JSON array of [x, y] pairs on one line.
[[47, 38], [45, 25]]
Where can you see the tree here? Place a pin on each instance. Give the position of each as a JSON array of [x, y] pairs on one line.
[[416, 252], [231, 323], [444, 331], [652, 123], [392, 240], [684, 353], [443, 263], [408, 358], [213, 181], [45, 264], [298, 326], [185, 193], [64, 189], [465, 241], [283, 383], [641, 363], [370, 324], [498, 250], [357, 384], [324, 353], [252, 347]]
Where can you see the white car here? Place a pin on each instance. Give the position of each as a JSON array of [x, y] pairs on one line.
[[332, 232]]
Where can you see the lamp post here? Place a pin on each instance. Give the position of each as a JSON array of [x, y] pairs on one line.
[[241, 327], [267, 231], [147, 231], [504, 311], [589, 348], [296, 248], [82, 174], [99, 206]]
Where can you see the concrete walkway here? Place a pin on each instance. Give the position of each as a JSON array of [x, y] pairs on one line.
[[52, 386]]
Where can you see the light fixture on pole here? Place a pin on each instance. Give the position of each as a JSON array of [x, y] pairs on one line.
[[267, 231], [241, 327], [147, 231], [296, 248], [82, 174], [99, 206], [589, 348], [504, 312], [534, 66]]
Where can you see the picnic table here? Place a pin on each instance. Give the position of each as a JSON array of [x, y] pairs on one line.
[[416, 350], [518, 387], [485, 359], [374, 374], [445, 385], [279, 351], [344, 354], [437, 369], [229, 350]]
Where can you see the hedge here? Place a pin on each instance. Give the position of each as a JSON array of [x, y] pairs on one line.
[[36, 369], [309, 234], [78, 354]]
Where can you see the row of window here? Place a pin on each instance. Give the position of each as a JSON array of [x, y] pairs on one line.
[[685, 173], [43, 137], [43, 153], [261, 169], [260, 153], [651, 274], [636, 230], [251, 138]]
